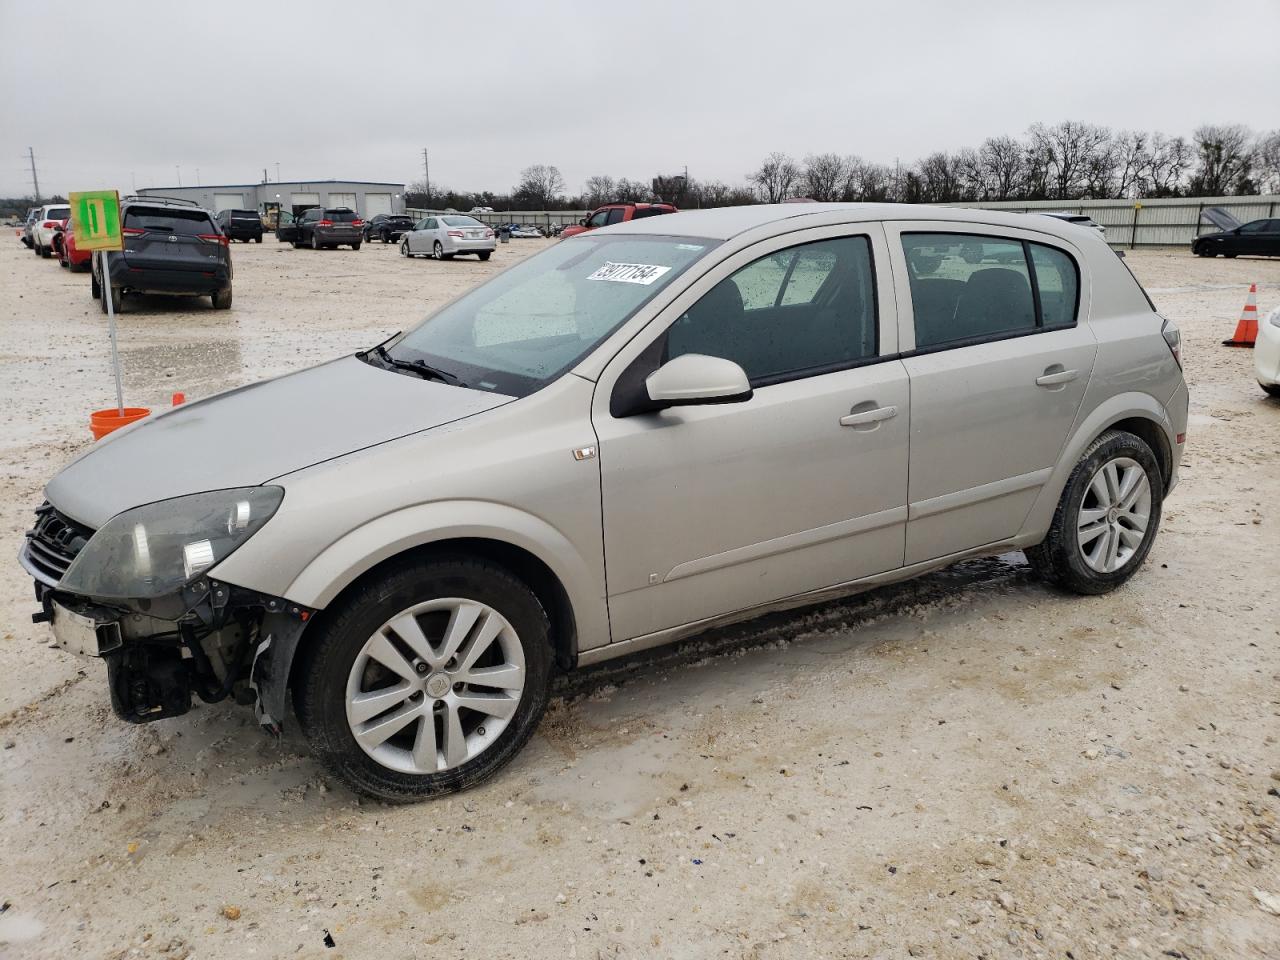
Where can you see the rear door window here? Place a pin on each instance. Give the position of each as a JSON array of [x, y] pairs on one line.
[[599, 218], [1057, 284], [181, 223], [616, 215], [642, 212]]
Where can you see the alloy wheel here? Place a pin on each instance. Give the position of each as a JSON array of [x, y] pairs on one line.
[[435, 686], [1114, 515], [437, 251]]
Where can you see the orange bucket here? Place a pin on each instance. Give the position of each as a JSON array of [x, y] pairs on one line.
[[102, 422]]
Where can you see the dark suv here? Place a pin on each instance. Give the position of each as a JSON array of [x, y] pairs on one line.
[[170, 246], [387, 227], [243, 225], [323, 227]]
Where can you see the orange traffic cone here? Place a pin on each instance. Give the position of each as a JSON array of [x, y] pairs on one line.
[[1247, 329]]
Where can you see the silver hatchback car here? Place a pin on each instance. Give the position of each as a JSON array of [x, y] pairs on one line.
[[634, 435], [444, 236]]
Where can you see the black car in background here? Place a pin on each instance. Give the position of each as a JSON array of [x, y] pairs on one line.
[[1257, 238], [387, 227], [322, 228], [243, 225], [170, 246]]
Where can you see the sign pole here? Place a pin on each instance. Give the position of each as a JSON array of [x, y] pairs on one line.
[[96, 224], [105, 260]]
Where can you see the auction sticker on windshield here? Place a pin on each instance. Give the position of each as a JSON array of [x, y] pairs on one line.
[[641, 273]]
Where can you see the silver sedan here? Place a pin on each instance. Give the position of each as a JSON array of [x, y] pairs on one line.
[[444, 236]]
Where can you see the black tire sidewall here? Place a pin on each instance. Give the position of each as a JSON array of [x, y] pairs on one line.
[[320, 682], [1073, 571]]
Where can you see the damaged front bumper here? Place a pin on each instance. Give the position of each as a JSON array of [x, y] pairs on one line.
[[213, 640]]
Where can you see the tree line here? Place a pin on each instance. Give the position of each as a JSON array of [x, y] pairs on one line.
[[1062, 161]]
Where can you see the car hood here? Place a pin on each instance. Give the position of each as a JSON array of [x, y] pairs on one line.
[[1220, 218], [254, 434]]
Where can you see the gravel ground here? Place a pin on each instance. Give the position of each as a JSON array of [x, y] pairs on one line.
[[970, 765]]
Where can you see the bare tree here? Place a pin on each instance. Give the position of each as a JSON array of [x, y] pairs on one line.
[[938, 179], [1167, 161], [540, 186], [824, 177], [1072, 153], [1222, 159], [1004, 167], [1131, 161], [870, 182], [1267, 162], [776, 179], [599, 190], [634, 190], [970, 176]]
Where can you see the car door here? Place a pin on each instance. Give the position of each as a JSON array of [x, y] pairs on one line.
[[286, 226], [709, 510], [998, 360]]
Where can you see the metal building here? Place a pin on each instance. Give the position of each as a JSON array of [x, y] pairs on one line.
[[365, 197]]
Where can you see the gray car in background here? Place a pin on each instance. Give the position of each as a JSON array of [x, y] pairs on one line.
[[444, 236], [322, 228], [729, 411]]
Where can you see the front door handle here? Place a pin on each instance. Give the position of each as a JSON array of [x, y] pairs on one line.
[[1056, 378], [866, 418]]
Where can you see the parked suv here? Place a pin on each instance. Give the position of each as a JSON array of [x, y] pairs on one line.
[[47, 221], [323, 227], [612, 213], [243, 225], [387, 227], [170, 246], [733, 411], [27, 224]]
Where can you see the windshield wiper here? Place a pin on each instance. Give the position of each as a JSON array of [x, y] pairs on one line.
[[420, 367]]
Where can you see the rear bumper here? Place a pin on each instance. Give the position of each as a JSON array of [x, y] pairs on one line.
[[454, 245], [243, 234], [324, 235], [150, 280]]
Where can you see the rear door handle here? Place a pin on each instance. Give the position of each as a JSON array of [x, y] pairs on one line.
[[863, 418], [1057, 379]]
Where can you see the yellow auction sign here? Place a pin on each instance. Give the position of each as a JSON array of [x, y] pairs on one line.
[[96, 216]]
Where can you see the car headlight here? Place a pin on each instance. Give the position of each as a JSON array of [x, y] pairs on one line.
[[152, 550]]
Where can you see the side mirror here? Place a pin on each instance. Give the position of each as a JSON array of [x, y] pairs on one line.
[[696, 379], [582, 222]]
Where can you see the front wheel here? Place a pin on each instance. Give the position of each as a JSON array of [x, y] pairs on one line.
[[426, 680], [1107, 518], [404, 248], [437, 251], [117, 299]]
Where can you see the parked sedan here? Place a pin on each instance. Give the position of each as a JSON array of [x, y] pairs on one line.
[[1258, 238], [732, 411], [1266, 353], [388, 227], [446, 236]]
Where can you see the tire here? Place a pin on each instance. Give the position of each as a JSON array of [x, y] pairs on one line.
[[95, 288], [117, 300], [46, 253], [221, 299], [257, 239], [355, 246], [1202, 250], [1061, 558], [1271, 389], [339, 664], [485, 255], [315, 244], [386, 237], [297, 244], [404, 248], [1230, 256], [437, 252]]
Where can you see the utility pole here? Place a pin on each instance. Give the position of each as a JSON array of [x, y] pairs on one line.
[[426, 167], [178, 168], [277, 171], [35, 181]]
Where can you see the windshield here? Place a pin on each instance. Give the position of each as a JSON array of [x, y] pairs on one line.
[[534, 321]]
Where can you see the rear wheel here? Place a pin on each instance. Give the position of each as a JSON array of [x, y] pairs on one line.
[[315, 244], [427, 680], [485, 255], [1271, 389], [117, 300], [356, 245], [95, 288], [437, 251], [258, 238], [1107, 518], [386, 237], [222, 299]]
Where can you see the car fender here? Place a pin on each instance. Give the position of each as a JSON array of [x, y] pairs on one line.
[[1124, 406], [361, 549]]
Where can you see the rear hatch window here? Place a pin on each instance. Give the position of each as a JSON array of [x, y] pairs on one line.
[[245, 215], [462, 221], [58, 213], [181, 223], [340, 216]]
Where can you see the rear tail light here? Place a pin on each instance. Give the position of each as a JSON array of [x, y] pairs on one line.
[[488, 234], [215, 238], [455, 233], [133, 232], [324, 223], [49, 224], [1173, 337], [357, 223]]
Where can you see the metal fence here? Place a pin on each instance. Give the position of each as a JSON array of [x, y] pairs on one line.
[[1167, 222], [1135, 223]]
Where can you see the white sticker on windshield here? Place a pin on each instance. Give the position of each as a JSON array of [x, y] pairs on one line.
[[641, 273]]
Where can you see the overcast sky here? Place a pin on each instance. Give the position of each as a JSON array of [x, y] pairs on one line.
[[118, 93]]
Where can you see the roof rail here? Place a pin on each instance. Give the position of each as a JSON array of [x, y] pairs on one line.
[[134, 196]]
